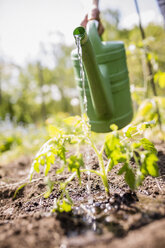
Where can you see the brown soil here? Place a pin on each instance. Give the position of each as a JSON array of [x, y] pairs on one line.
[[124, 220]]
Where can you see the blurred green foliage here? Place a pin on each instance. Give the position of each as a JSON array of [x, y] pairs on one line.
[[34, 92]]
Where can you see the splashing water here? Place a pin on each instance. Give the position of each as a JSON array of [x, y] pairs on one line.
[[82, 78]]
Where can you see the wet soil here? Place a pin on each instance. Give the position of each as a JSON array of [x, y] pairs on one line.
[[126, 219]]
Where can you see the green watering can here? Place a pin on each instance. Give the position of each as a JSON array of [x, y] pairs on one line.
[[106, 80]]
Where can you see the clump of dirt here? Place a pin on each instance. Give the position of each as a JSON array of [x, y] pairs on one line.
[[125, 219]]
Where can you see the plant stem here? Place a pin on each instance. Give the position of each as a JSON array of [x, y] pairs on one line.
[[108, 166], [102, 173], [65, 185], [70, 178]]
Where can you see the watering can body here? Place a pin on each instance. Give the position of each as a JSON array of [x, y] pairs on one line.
[[107, 86]]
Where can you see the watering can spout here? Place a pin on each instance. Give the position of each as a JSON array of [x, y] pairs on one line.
[[100, 90]]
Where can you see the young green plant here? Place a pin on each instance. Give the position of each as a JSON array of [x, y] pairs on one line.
[[120, 148]]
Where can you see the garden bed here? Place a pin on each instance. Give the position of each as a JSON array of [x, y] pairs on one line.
[[125, 219]]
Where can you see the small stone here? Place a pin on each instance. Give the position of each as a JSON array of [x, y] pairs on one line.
[[9, 211], [108, 206], [102, 206], [111, 200]]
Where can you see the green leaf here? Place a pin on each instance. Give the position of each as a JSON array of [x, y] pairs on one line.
[[145, 108], [149, 56], [135, 145], [47, 167], [42, 160], [65, 206], [73, 120], [118, 157], [112, 142], [113, 127], [114, 149], [61, 152], [50, 158], [130, 131], [160, 78], [50, 185], [47, 194], [130, 178], [17, 190], [148, 145], [144, 125], [60, 170], [123, 169], [36, 165], [74, 163], [54, 131], [143, 169], [129, 175], [151, 165]]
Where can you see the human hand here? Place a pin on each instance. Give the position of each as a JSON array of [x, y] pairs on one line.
[[94, 14]]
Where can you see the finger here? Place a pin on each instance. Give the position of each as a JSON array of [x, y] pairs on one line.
[[84, 22]]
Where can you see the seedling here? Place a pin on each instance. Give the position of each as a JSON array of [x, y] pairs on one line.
[[120, 147]]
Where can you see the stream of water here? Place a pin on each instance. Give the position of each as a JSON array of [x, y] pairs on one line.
[[82, 73], [82, 78]]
